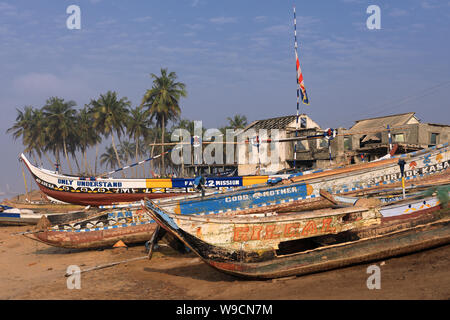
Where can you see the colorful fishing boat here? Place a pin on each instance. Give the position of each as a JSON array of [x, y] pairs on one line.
[[96, 230], [104, 191], [428, 166], [15, 216], [280, 245]]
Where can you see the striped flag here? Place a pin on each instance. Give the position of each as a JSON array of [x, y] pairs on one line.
[[300, 82]]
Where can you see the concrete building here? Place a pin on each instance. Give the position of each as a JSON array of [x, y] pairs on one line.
[[275, 156], [369, 137], [366, 140]]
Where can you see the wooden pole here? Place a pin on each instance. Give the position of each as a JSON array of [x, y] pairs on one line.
[[25, 181]]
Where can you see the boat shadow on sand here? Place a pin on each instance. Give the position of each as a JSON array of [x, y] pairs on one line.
[[186, 265]]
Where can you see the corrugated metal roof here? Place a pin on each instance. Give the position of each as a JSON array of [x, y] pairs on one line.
[[272, 123], [381, 122]]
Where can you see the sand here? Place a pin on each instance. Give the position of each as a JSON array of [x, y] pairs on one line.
[[32, 270]]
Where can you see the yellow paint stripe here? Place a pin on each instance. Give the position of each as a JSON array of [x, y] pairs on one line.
[[248, 181], [158, 183]]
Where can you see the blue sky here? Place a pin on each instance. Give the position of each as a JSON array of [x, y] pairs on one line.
[[233, 56]]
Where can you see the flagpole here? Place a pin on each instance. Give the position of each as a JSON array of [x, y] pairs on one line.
[[298, 89]]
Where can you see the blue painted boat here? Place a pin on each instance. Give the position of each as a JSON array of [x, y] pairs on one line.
[[430, 164]]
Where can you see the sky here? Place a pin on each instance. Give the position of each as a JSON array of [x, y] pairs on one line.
[[235, 57]]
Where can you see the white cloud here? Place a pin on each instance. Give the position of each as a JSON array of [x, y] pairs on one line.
[[280, 28], [194, 26], [398, 12], [44, 85], [142, 19], [223, 20], [260, 18]]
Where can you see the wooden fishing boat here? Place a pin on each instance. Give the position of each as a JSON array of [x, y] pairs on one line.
[[96, 230], [422, 167], [284, 248], [104, 191], [15, 216]]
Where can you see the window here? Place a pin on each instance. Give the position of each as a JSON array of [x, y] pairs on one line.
[[399, 137], [347, 143], [302, 122], [322, 143], [434, 138]]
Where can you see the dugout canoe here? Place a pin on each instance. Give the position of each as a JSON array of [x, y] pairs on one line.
[[402, 229], [97, 191], [428, 166], [96, 230]]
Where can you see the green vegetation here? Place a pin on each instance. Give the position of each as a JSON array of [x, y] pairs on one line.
[[60, 128]]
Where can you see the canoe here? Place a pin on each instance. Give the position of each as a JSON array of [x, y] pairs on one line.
[[15, 216], [427, 166], [270, 253], [98, 191], [98, 230]]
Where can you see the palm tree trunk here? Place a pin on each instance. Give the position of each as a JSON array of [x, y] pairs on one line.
[[117, 154], [67, 157], [163, 169], [151, 156], [78, 165], [85, 161], [49, 160], [137, 148], [96, 157]]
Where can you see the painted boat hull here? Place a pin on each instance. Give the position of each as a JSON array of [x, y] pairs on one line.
[[395, 235], [98, 199], [106, 191], [95, 238], [97, 230], [429, 165]]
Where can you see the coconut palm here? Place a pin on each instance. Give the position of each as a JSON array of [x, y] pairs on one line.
[[60, 117], [109, 158], [110, 116], [22, 127], [162, 101], [87, 136], [126, 150], [237, 122], [138, 127]]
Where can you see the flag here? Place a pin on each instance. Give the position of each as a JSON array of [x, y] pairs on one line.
[[300, 82]]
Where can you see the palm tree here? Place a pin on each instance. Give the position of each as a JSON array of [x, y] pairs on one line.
[[110, 115], [237, 122], [109, 157], [126, 150], [87, 135], [22, 127], [60, 118], [137, 127], [162, 102]]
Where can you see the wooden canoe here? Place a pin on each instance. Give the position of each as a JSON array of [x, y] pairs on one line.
[[400, 232], [426, 165], [98, 191], [102, 229]]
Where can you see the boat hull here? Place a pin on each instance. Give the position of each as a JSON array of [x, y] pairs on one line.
[[399, 243], [98, 199], [95, 238], [395, 235]]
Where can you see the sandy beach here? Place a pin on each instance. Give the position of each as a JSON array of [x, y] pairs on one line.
[[32, 270]]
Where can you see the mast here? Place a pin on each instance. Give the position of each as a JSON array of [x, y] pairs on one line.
[[300, 87]]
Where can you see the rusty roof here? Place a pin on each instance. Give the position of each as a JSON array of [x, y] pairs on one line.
[[394, 120], [273, 123]]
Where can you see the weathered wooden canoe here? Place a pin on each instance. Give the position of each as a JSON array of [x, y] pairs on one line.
[[102, 229], [261, 232], [432, 164], [104, 191], [16, 216], [402, 230]]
